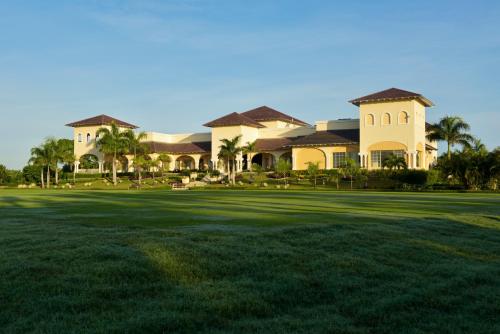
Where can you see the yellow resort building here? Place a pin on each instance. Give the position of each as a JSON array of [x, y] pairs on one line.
[[390, 122]]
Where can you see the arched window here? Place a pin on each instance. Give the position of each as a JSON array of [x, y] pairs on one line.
[[88, 138], [79, 137], [370, 119], [386, 119], [403, 117]]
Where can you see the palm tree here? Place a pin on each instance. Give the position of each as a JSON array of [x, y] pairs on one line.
[[451, 129], [63, 152], [229, 150], [165, 162], [38, 159], [313, 171], [477, 147], [394, 162], [283, 167], [43, 156], [259, 173], [153, 164], [350, 169], [135, 142], [114, 142], [139, 163], [334, 176], [249, 149]]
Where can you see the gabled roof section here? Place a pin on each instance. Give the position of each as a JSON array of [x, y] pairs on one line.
[[233, 119], [101, 120], [392, 94], [265, 113], [179, 148], [327, 138]]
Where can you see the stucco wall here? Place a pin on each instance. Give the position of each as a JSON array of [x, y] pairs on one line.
[[248, 134], [178, 138], [395, 135], [278, 124], [301, 156], [337, 124], [84, 147]]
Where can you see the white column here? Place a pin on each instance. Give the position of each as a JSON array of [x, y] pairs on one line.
[[413, 160], [101, 166], [130, 165], [363, 160], [294, 160], [77, 166], [329, 158]]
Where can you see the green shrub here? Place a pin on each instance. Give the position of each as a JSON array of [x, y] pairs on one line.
[[433, 177], [31, 173], [413, 177]]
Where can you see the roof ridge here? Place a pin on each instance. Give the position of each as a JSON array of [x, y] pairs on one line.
[[101, 120], [233, 118], [392, 93], [272, 114]]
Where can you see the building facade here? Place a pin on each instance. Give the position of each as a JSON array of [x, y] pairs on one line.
[[391, 122]]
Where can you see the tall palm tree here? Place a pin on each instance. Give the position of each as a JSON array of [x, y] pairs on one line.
[[451, 129], [228, 151], [135, 142], [249, 149], [113, 142], [63, 153], [43, 156], [37, 159], [394, 162]]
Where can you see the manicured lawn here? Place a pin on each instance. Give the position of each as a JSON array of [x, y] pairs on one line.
[[225, 261]]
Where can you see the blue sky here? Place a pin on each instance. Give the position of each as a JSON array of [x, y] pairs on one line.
[[170, 66]]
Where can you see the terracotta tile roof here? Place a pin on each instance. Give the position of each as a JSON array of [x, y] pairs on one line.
[[265, 113], [272, 144], [392, 94], [101, 120], [232, 120], [179, 148], [330, 137]]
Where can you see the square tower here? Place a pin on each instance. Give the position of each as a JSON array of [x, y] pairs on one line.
[[392, 122]]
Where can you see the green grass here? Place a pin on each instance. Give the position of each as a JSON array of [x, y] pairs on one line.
[[225, 261]]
